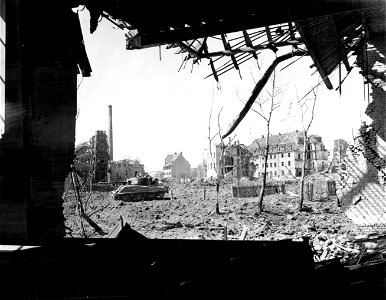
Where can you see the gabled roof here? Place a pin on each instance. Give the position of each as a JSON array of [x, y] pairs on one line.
[[171, 158], [289, 138]]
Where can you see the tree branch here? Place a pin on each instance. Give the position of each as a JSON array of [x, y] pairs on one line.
[[258, 88]]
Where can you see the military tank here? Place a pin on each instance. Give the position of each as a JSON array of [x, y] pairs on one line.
[[140, 189]]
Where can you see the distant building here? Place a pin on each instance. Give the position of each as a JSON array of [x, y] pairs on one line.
[[92, 157], [124, 169], [83, 161], [285, 156], [176, 167], [193, 172], [339, 151], [100, 152], [235, 161], [198, 172], [202, 170]]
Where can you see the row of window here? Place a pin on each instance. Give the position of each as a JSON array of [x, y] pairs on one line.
[[271, 173], [274, 164], [280, 148], [273, 156]]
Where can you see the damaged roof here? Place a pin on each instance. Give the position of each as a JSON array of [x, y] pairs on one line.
[[327, 30], [290, 138], [171, 158], [160, 23]]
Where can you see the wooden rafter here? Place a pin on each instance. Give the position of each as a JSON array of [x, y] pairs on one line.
[[248, 43], [268, 32], [315, 59], [249, 49], [342, 52], [292, 33], [228, 47]]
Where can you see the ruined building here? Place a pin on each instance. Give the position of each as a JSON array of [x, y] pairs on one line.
[[93, 157], [100, 150], [285, 156], [123, 169], [229, 160], [84, 159], [339, 151]]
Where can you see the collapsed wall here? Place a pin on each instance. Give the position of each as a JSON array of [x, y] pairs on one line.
[[362, 188]]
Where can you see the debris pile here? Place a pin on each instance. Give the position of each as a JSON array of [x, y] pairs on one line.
[[357, 250]]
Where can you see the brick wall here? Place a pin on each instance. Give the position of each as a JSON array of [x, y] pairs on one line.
[[362, 188]]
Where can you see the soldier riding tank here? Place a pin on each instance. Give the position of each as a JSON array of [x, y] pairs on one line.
[[140, 189]]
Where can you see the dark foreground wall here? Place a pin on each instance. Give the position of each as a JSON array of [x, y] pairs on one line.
[[158, 269], [43, 50]]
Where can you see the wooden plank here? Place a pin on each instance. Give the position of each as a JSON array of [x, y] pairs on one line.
[[268, 32], [291, 30], [315, 59], [341, 50]]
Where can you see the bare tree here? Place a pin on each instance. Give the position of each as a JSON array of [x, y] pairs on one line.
[[266, 115], [304, 108], [213, 158]]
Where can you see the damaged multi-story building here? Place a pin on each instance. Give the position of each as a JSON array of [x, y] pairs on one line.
[[92, 158], [339, 150], [285, 155], [100, 148], [126, 168], [232, 159]]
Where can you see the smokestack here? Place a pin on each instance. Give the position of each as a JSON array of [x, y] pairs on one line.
[[110, 126]]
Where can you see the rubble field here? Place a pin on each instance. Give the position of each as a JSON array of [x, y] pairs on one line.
[[189, 213]]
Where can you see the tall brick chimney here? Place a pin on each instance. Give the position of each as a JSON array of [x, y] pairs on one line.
[[110, 130]]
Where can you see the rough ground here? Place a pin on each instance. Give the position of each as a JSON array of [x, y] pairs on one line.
[[188, 215]]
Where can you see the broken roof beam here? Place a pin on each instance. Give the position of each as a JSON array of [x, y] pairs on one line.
[[249, 44], [190, 50], [291, 30], [268, 32], [212, 22], [228, 47], [292, 33], [341, 49], [250, 49]]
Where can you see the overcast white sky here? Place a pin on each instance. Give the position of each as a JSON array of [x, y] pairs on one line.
[[158, 110]]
